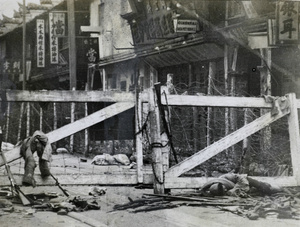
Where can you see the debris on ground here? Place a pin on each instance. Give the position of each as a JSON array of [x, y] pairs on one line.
[[238, 194], [54, 202], [280, 205]]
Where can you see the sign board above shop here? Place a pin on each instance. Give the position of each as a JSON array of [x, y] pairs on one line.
[[287, 16], [185, 26]]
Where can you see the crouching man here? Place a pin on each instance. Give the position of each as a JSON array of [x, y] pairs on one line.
[[38, 142]]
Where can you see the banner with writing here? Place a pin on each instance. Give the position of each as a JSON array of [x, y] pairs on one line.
[[40, 28]]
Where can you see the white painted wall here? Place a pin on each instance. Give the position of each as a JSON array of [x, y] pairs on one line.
[[115, 31]]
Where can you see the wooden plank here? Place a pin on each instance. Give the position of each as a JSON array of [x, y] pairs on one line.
[[293, 122], [88, 121], [84, 179], [215, 101], [223, 144], [77, 126], [69, 96], [198, 182]]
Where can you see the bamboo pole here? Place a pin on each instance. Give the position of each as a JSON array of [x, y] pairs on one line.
[[86, 132], [24, 45], [233, 113], [195, 114], [20, 122], [72, 120], [41, 118], [265, 85], [27, 119], [211, 75], [7, 121], [226, 114], [139, 139]]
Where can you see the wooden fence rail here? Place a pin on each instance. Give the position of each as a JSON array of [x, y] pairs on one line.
[[281, 106], [123, 101]]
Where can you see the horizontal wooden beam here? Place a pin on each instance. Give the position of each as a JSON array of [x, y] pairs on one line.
[[69, 96], [215, 101], [84, 179], [223, 144], [76, 126], [198, 182]]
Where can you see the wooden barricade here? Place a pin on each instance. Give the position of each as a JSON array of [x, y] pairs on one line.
[[171, 176]]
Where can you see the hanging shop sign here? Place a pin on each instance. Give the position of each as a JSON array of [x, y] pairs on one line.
[[40, 28], [57, 29], [57, 24], [156, 26], [11, 66], [87, 50], [185, 26], [287, 22]]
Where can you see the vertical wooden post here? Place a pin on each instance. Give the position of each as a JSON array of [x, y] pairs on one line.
[[7, 121], [72, 120], [41, 118], [233, 116], [72, 57], [211, 76], [72, 43], [54, 119], [293, 121], [265, 85], [155, 130], [246, 141], [28, 119], [20, 122], [195, 115], [138, 139], [54, 116], [226, 114], [24, 45], [104, 79], [233, 113], [86, 131]]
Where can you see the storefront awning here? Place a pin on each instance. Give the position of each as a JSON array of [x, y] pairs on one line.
[[200, 52]]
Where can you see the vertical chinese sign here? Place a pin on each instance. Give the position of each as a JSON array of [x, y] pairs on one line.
[[288, 22], [40, 28], [57, 28]]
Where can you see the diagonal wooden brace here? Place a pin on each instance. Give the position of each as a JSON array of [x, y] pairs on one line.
[[76, 126], [224, 143]]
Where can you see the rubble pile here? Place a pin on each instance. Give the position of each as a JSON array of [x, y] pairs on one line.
[[54, 202], [242, 196]]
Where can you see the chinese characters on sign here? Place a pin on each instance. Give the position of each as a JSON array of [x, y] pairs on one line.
[[288, 22], [57, 28], [11, 66], [186, 26], [87, 50], [40, 28]]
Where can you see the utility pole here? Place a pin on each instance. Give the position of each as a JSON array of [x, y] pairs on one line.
[[24, 45], [72, 43]]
